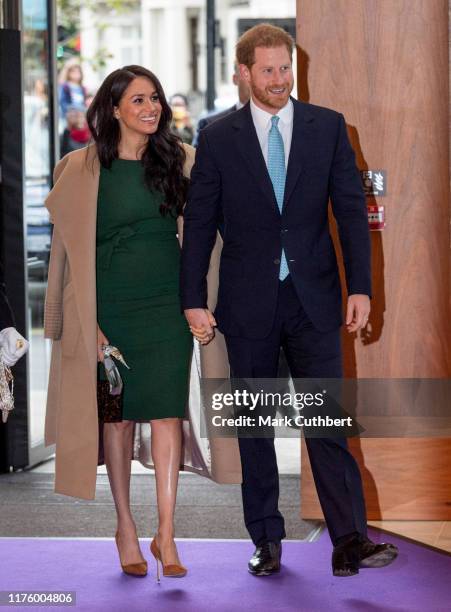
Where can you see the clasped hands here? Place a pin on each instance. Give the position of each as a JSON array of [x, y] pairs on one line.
[[201, 323], [200, 320]]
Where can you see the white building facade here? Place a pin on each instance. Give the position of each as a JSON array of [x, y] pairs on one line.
[[116, 36], [169, 38]]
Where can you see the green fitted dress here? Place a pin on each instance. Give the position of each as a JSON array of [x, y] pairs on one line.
[[138, 308]]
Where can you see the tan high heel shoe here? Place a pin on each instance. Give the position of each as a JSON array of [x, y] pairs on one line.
[[170, 571], [133, 569]]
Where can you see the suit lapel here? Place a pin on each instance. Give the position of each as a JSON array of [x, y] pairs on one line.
[[249, 146], [72, 204], [302, 143]]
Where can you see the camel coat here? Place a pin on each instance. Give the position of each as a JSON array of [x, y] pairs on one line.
[[70, 320]]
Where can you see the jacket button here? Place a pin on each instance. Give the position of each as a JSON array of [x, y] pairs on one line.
[[277, 262]]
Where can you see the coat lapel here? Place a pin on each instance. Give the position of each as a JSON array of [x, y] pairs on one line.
[[302, 143], [249, 146], [72, 204]]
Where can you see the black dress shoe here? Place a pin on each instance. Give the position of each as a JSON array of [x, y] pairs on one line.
[[266, 559], [358, 552], [376, 555]]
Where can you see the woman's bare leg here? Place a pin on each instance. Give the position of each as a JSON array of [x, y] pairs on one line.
[[166, 451], [118, 450]]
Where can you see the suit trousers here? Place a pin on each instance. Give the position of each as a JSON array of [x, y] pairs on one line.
[[309, 354]]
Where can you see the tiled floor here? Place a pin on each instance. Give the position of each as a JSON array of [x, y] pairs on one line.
[[433, 533]]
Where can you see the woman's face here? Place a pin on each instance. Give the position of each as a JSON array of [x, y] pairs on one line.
[[139, 109], [74, 74], [178, 101]]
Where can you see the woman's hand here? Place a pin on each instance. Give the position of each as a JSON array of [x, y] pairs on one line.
[[101, 341]]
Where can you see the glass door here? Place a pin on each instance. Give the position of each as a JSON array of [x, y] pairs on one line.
[[38, 83]]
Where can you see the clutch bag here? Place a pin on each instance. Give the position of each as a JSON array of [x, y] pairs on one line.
[[109, 406], [109, 392]]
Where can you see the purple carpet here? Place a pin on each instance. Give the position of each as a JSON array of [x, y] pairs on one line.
[[419, 580]]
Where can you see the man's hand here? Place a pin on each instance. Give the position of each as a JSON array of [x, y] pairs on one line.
[[358, 311], [201, 323], [13, 345]]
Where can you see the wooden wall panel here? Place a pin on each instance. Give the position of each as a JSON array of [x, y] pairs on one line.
[[384, 65], [403, 479]]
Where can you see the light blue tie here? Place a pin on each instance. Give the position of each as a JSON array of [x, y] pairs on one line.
[[277, 173]]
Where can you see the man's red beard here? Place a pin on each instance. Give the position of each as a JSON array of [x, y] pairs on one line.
[[271, 100]]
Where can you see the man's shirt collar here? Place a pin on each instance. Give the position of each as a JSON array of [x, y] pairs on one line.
[[262, 118]]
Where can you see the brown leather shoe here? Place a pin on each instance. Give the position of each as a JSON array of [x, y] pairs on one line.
[[132, 569], [171, 570]]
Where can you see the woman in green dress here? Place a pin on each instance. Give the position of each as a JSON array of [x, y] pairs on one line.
[[142, 190]]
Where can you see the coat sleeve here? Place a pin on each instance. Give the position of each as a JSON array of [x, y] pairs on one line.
[[189, 162], [213, 270], [190, 153], [349, 208], [201, 216], [53, 308]]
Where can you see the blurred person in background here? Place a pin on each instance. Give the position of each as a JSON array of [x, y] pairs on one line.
[[243, 98], [76, 134], [182, 124], [72, 93], [36, 118]]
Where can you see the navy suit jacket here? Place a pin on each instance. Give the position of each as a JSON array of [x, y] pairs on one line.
[[230, 180], [209, 119]]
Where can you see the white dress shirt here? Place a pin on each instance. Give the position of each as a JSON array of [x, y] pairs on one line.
[[262, 123]]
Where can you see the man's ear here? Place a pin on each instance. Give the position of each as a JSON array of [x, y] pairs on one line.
[[245, 73]]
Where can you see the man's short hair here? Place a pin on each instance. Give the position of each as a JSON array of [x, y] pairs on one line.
[[262, 35]]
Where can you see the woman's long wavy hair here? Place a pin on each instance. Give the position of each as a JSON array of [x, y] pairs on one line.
[[164, 155]]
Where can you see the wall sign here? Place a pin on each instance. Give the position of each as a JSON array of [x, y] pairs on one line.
[[374, 182]]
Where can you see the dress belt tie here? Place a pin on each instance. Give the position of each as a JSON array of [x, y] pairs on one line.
[[111, 242]]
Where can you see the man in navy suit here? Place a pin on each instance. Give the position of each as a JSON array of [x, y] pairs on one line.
[[243, 98], [269, 171]]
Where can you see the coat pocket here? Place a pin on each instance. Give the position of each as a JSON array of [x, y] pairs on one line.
[[71, 324]]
